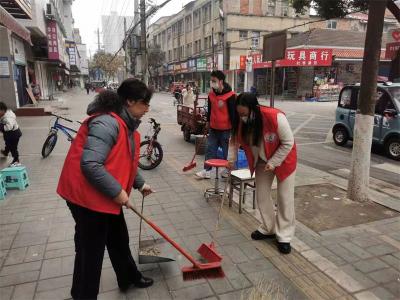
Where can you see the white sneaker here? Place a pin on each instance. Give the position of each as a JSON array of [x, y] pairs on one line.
[[15, 164], [225, 173], [204, 174]]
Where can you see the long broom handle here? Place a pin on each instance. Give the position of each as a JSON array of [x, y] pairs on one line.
[[165, 236]]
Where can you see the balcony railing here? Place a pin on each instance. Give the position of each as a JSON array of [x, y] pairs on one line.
[[19, 9]]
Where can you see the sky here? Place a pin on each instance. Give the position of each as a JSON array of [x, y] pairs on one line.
[[87, 15]]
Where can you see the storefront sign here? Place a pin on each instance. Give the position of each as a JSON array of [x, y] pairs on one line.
[[301, 58], [210, 64], [177, 68], [72, 53], [52, 40], [391, 50], [192, 65], [4, 67], [242, 64], [201, 64], [170, 68], [19, 51], [184, 67]]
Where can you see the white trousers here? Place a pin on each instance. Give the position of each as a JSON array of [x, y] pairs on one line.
[[281, 222]]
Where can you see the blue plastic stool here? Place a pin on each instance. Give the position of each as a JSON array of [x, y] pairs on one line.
[[15, 178], [3, 190]]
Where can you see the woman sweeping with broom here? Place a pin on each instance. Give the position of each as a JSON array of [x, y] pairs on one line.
[[98, 175], [266, 137]]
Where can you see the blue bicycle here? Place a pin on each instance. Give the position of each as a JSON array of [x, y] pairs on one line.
[[51, 139]]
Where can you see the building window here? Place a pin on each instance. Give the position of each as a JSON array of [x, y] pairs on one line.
[[169, 55], [207, 13], [175, 53], [180, 27], [188, 24], [331, 24], [196, 16], [271, 7], [189, 49], [242, 35], [255, 39]]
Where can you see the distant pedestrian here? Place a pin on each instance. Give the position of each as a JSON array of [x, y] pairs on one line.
[[265, 135], [87, 87], [11, 133]]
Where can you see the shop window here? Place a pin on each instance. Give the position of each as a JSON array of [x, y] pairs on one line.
[[242, 35], [331, 24]]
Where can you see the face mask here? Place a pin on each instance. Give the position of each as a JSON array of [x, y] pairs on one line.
[[245, 119]]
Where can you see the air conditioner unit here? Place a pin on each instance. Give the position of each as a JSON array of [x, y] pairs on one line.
[[49, 11]]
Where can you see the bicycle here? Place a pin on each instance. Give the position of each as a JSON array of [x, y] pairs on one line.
[[52, 137], [150, 149]]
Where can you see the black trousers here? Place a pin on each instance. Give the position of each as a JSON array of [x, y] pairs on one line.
[[94, 231], [11, 139]]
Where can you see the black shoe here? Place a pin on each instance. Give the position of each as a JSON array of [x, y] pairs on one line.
[[256, 235], [143, 282], [284, 248]]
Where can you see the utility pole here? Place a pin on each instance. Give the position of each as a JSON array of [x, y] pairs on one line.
[[126, 51], [143, 42], [213, 48], [98, 39]]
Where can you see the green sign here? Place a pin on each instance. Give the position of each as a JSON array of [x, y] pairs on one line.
[[201, 64]]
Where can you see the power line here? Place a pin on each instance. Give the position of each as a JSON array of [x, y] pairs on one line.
[[152, 11]]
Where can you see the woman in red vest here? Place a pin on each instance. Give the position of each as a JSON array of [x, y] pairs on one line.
[[265, 135], [99, 173]]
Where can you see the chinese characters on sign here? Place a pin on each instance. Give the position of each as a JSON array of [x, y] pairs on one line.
[[298, 58], [52, 40], [391, 49], [72, 56]]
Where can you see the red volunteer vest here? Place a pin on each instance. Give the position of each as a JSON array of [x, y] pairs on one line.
[[73, 186], [271, 144], [219, 111]]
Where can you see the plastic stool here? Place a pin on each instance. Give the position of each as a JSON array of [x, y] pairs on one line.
[[215, 191], [3, 190], [15, 178]]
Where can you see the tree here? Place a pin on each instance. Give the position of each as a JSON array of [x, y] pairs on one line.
[[156, 58], [358, 184], [104, 62]]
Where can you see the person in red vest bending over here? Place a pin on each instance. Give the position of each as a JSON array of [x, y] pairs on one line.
[[265, 135], [221, 111], [99, 173]]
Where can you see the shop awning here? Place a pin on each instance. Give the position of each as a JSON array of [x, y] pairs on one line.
[[9, 21]]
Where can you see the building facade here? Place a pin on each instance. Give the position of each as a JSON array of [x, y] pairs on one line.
[[216, 34], [35, 60], [113, 30]]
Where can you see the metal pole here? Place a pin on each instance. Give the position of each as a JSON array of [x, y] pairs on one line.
[[143, 41], [272, 84], [126, 52], [213, 50]]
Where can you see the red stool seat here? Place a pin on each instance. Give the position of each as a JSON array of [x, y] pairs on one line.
[[217, 163]]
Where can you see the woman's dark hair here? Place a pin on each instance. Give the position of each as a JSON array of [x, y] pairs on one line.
[[105, 102], [253, 128], [219, 74], [3, 106], [134, 89]]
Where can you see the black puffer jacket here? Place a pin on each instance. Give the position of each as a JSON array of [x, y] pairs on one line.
[[102, 136]]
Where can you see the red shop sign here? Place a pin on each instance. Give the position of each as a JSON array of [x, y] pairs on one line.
[[391, 49], [52, 40], [299, 58], [242, 62]]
